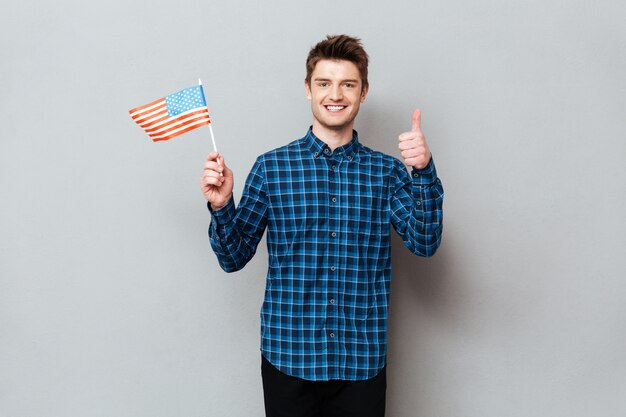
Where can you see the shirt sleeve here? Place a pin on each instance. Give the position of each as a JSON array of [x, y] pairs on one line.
[[235, 232], [417, 207]]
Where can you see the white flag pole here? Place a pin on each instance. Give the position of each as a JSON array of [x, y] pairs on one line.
[[212, 138], [210, 127], [211, 131]]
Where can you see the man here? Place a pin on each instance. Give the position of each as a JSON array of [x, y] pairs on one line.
[[327, 202]]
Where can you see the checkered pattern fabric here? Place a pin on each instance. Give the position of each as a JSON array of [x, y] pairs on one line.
[[328, 216]]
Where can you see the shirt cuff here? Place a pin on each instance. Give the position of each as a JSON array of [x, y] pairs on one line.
[[426, 175], [224, 215]]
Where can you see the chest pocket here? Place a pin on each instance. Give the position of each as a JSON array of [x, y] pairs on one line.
[[367, 211]]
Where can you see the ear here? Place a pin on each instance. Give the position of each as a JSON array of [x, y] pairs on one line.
[[307, 89], [364, 92]]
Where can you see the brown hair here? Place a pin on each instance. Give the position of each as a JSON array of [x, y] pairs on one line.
[[338, 47]]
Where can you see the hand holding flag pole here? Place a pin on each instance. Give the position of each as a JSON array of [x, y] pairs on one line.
[[181, 112]]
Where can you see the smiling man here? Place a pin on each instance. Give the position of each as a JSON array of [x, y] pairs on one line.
[[336, 91], [327, 202]]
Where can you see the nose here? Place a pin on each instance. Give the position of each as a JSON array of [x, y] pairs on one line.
[[336, 93]]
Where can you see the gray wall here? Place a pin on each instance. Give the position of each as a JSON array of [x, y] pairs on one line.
[[111, 302]]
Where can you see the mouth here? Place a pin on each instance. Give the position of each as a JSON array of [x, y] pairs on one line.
[[334, 108]]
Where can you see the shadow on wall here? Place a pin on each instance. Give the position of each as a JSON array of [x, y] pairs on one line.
[[422, 314], [421, 281]]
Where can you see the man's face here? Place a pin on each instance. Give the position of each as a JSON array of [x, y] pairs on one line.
[[336, 92]]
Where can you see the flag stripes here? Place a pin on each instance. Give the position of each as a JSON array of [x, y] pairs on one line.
[[173, 115]]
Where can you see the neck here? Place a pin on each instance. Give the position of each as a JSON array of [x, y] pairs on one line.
[[331, 137]]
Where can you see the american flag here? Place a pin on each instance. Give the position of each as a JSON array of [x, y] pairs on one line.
[[173, 115]]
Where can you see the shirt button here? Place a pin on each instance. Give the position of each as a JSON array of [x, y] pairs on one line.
[[333, 234], [332, 301], [326, 151], [334, 167], [332, 268], [316, 153], [419, 203], [350, 158], [334, 200], [416, 175], [332, 335]]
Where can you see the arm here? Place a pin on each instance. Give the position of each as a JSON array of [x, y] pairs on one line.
[[234, 233], [417, 200], [417, 208]]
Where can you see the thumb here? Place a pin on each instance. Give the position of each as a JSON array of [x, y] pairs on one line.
[[417, 120], [227, 172]]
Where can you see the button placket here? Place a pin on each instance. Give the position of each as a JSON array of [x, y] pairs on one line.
[[334, 215]]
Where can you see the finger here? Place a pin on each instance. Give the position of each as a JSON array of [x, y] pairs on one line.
[[220, 161], [409, 144], [213, 174], [227, 172], [207, 183], [412, 153], [408, 136], [213, 165], [412, 161], [216, 181], [419, 162], [213, 156], [417, 120]]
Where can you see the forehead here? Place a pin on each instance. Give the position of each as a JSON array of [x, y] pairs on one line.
[[336, 69]]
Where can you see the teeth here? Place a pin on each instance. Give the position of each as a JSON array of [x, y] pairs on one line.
[[335, 108]]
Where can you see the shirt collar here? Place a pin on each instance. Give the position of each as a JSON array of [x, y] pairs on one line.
[[319, 148]]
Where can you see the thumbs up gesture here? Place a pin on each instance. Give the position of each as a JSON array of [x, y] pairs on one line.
[[413, 146]]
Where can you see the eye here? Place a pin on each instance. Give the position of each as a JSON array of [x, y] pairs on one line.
[[322, 84], [349, 85]]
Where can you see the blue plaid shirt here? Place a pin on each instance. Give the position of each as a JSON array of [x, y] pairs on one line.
[[328, 216]]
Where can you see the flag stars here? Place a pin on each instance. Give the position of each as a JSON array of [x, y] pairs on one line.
[[185, 100]]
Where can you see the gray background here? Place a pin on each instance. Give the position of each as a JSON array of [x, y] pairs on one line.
[[111, 302]]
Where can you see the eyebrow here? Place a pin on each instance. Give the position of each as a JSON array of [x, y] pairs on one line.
[[343, 81]]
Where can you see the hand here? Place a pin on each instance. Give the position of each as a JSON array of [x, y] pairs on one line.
[[216, 181], [413, 144]]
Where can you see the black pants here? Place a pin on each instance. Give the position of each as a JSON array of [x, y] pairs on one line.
[[287, 396]]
